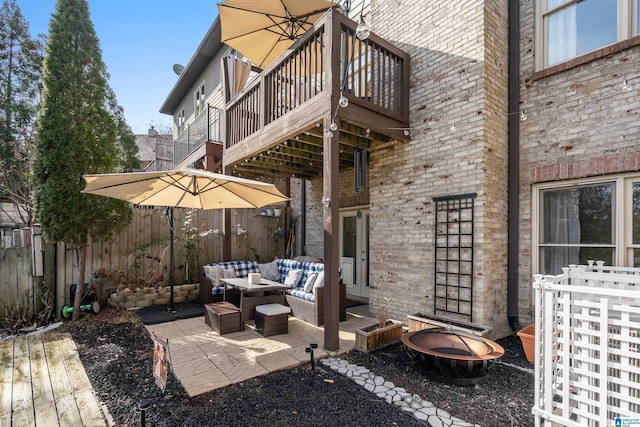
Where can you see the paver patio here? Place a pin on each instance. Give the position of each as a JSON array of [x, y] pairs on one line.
[[202, 360]]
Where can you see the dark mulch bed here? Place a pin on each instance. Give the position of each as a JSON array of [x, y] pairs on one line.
[[117, 353]]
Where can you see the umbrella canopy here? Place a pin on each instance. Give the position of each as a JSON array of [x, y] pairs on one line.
[[188, 188], [263, 29]]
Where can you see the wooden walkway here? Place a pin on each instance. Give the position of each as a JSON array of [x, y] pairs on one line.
[[43, 383]]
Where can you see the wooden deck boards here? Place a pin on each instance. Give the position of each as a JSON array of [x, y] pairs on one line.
[[43, 383]]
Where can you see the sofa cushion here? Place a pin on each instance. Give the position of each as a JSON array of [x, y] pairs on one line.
[[309, 296], [284, 265], [242, 268], [293, 278], [272, 309], [215, 273], [270, 271], [303, 258], [308, 284], [310, 268], [319, 282], [229, 273]]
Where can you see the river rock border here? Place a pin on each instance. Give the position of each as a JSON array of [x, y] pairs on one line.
[[419, 408]]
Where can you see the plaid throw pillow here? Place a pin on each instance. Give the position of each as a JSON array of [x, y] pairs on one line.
[[270, 271]]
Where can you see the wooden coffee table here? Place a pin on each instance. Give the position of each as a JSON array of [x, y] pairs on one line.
[[267, 292]]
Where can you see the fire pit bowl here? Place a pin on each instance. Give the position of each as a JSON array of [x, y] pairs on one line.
[[452, 355]]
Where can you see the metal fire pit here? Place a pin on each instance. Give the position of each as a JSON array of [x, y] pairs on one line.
[[451, 355]]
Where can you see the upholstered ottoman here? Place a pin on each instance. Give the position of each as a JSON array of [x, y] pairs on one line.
[[272, 319], [223, 317]]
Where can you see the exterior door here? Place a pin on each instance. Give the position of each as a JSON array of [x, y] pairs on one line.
[[354, 251]]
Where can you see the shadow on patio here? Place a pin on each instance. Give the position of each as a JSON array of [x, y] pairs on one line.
[[202, 360]]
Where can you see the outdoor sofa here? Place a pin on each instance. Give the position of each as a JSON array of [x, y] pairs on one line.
[[305, 297]]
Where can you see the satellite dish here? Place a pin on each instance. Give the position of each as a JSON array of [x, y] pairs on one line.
[[177, 68]]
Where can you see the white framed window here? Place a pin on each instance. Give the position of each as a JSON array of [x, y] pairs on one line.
[[198, 99], [180, 120], [588, 219], [566, 29]]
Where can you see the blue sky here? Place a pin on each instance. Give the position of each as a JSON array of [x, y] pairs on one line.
[[140, 42]]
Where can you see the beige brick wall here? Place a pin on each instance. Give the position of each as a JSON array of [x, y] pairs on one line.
[[579, 124], [458, 76]]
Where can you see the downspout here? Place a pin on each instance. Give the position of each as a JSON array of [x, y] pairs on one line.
[[514, 164]]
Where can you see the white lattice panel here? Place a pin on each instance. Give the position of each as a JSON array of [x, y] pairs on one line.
[[587, 347]]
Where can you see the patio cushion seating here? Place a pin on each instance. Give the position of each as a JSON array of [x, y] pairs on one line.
[[272, 319], [270, 271], [273, 309], [307, 306], [293, 277], [227, 270], [308, 284]]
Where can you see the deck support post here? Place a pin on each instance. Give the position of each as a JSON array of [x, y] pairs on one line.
[[331, 216]]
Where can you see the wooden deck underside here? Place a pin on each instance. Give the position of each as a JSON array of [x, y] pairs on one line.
[[43, 383]]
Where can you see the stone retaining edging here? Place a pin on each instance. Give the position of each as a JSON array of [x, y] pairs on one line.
[[146, 297]]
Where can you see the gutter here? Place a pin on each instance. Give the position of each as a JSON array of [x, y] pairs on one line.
[[514, 164]]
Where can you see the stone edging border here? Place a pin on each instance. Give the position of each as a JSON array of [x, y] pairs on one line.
[[420, 409]]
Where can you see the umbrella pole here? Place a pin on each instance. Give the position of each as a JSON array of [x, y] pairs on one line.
[[171, 307]]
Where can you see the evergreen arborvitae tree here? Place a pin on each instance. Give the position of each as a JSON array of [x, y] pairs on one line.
[[126, 140], [76, 135], [20, 71]]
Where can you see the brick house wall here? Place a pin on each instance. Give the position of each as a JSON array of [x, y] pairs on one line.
[[579, 124], [458, 77]]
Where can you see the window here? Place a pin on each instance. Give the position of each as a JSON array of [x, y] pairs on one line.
[[180, 121], [570, 28], [587, 220], [199, 101]]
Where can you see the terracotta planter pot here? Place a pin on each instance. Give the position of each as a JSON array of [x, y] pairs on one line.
[[374, 337], [527, 336]]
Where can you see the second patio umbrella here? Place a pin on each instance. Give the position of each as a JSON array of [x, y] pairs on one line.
[[263, 29], [188, 188]]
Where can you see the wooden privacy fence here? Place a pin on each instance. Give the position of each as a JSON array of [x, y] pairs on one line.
[[20, 263], [587, 343], [139, 256]]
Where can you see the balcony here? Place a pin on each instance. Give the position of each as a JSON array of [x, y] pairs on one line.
[[200, 141], [276, 125]]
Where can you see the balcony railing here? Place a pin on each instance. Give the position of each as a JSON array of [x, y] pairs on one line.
[[205, 128], [328, 60]]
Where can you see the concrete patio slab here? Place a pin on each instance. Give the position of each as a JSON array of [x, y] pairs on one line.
[[203, 360]]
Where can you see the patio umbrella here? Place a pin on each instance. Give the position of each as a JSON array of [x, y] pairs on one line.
[[187, 188], [263, 29]]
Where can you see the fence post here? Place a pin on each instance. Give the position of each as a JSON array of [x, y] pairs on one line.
[[36, 249], [17, 238]]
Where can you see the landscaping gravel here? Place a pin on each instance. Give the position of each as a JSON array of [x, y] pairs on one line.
[[116, 351]]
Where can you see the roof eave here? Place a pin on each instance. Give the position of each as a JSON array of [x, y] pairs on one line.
[[206, 51]]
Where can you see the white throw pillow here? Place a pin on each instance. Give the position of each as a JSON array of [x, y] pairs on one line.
[[308, 284], [319, 282], [215, 273], [229, 273], [293, 277]]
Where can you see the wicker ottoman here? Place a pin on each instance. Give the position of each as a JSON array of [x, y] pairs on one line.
[[272, 319], [223, 317]]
